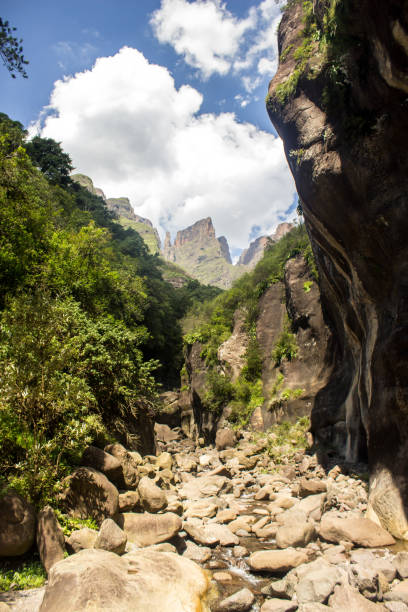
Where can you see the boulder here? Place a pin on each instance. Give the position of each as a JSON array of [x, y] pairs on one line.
[[152, 498], [398, 593], [347, 598], [17, 525], [201, 509], [147, 529], [317, 585], [164, 433], [138, 581], [241, 601], [200, 554], [129, 465], [203, 486], [366, 580], [360, 531], [111, 538], [103, 462], [50, 538], [298, 534], [81, 539], [201, 534], [89, 494], [278, 605], [276, 561], [164, 461], [311, 487], [185, 463], [225, 438], [401, 564], [128, 501]]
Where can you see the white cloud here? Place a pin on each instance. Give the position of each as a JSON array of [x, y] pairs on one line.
[[212, 40], [126, 126], [204, 32]]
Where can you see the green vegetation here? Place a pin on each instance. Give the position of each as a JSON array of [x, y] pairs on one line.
[[11, 51], [88, 326], [297, 155], [285, 439], [70, 524], [285, 347], [307, 285], [214, 324], [26, 575]]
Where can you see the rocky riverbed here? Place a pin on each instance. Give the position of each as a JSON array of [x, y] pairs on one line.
[[216, 528]]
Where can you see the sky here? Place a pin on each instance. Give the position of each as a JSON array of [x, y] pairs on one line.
[[161, 101]]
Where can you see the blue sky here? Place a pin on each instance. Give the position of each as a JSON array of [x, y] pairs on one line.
[[172, 114]]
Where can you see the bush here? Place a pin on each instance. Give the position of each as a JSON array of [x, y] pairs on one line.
[[30, 575], [285, 347]]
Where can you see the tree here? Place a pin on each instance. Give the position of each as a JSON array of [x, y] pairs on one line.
[[48, 156], [11, 51]]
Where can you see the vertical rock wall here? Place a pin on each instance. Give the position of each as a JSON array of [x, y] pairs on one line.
[[345, 129]]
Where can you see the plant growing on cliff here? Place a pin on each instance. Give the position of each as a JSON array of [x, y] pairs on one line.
[[286, 346]]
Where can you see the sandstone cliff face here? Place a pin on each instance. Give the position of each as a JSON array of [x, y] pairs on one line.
[[205, 257], [344, 132], [254, 253]]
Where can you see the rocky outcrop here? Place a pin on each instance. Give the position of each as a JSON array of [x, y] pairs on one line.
[[345, 141], [17, 525], [205, 257], [254, 253]]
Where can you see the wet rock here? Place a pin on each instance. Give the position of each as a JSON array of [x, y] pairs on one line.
[[138, 581], [276, 561], [103, 462], [111, 538], [199, 554], [81, 539], [297, 534], [147, 529], [241, 601], [17, 525], [50, 538], [360, 531], [128, 462], [152, 498], [240, 551], [128, 501], [225, 438], [347, 598], [89, 494]]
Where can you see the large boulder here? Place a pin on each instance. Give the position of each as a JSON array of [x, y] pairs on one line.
[[81, 539], [143, 580], [111, 537], [225, 438], [147, 529], [50, 538], [360, 531], [295, 534], [89, 494], [152, 498], [103, 462], [17, 525], [129, 465], [276, 561]]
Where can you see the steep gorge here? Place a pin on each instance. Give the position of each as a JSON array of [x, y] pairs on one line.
[[339, 102]]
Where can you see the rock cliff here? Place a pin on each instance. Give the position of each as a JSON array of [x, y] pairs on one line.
[[339, 102], [204, 256], [250, 256]]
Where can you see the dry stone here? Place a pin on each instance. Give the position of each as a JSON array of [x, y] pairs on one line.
[[345, 598], [360, 531], [147, 529], [129, 465], [278, 605], [200, 554], [128, 501], [238, 602], [17, 525], [295, 534], [152, 498], [398, 593], [89, 494], [111, 538], [103, 462], [276, 561], [81, 539], [225, 438], [50, 538]]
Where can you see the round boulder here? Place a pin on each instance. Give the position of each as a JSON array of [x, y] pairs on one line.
[[17, 525]]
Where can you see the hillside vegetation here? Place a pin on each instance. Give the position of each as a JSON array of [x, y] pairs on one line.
[[88, 326]]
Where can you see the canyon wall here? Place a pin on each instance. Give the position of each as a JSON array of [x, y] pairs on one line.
[[339, 101]]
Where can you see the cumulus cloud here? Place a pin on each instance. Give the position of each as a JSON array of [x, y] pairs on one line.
[[126, 125], [214, 41], [204, 32]]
